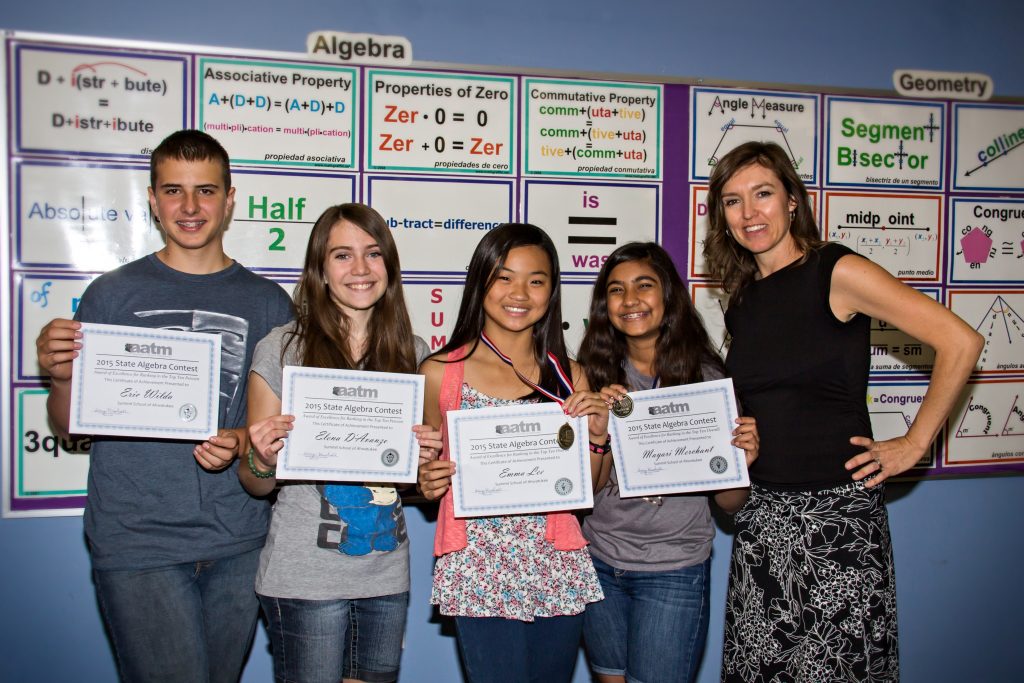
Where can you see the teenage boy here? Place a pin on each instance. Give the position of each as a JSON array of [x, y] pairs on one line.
[[174, 539]]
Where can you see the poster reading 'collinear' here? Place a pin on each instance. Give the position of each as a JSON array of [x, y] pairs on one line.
[[930, 190]]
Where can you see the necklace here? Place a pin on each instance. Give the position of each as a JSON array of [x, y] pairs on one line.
[[566, 436]]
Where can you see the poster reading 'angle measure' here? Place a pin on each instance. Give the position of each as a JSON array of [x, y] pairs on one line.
[[930, 190]]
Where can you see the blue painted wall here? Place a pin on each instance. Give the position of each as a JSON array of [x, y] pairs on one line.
[[958, 543]]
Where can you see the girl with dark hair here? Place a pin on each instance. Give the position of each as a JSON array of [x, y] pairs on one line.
[[652, 554], [516, 585], [812, 592], [334, 573]]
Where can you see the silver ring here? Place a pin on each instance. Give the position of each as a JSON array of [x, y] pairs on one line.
[[878, 462]]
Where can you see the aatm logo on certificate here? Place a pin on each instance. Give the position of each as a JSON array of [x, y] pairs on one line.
[[150, 349], [520, 428]]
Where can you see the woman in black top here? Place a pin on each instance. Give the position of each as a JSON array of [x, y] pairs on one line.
[[811, 589]]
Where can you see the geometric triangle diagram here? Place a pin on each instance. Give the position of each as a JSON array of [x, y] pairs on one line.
[[1014, 425], [976, 422], [1003, 330]]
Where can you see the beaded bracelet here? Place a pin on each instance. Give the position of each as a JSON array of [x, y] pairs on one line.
[[601, 448], [256, 473]]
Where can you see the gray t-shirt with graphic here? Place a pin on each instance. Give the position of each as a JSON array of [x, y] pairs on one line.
[[329, 541], [150, 504]]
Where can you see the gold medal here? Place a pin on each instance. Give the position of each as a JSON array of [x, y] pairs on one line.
[[566, 437], [623, 407]]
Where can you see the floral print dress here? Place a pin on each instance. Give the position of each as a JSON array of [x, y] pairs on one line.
[[508, 569]]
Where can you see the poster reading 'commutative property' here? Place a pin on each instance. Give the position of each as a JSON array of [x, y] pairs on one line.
[[932, 190]]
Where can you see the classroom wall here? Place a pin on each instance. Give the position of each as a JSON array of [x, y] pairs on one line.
[[958, 542]]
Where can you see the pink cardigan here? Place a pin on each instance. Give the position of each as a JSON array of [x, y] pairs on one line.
[[562, 530]]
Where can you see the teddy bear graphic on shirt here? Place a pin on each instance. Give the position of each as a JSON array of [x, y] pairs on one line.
[[370, 514]]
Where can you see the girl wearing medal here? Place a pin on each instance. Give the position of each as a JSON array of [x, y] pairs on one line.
[[652, 554], [517, 585]]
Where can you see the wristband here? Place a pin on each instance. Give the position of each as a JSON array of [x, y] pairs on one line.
[[601, 448], [252, 467]]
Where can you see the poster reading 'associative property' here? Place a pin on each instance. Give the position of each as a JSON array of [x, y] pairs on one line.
[[931, 190]]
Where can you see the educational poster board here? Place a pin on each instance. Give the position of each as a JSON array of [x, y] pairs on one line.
[[930, 189]]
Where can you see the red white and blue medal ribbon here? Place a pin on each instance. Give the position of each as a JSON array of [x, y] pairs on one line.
[[563, 379], [566, 436]]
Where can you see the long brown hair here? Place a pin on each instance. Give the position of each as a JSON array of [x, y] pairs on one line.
[[728, 261], [322, 328], [683, 348]]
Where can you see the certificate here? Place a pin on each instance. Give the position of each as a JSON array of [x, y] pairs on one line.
[[350, 425], [517, 460], [677, 440], [151, 383]]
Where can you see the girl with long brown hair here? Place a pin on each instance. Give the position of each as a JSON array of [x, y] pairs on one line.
[[652, 554], [334, 574]]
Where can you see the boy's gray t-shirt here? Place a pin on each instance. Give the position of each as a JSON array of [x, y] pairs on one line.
[[637, 535], [149, 503], [329, 541]]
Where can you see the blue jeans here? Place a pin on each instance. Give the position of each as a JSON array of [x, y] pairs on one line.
[[496, 650], [190, 622], [651, 626], [323, 641]]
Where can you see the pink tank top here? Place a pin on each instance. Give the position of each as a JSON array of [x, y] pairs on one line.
[[562, 530]]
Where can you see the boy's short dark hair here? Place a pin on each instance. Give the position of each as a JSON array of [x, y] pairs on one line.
[[190, 145]]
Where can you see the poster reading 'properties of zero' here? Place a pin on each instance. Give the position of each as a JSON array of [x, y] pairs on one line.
[[931, 190]]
